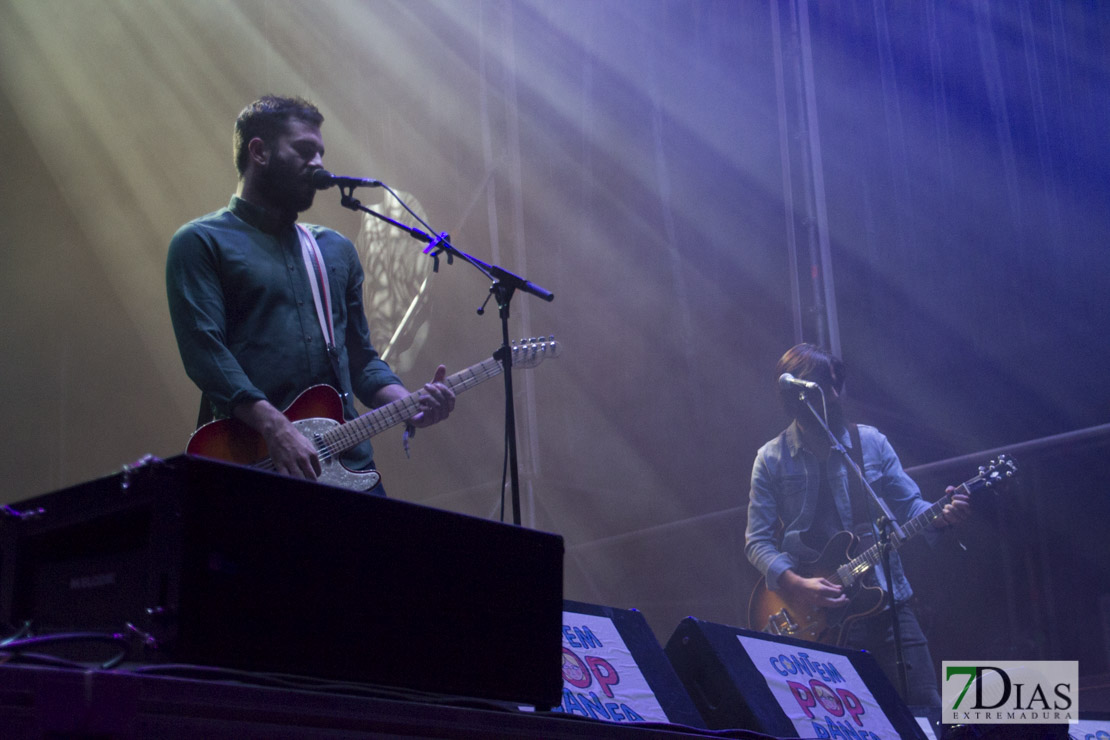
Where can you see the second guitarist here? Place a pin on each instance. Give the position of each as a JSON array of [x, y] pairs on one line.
[[800, 497]]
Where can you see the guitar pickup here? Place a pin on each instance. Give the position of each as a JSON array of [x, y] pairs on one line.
[[781, 623]]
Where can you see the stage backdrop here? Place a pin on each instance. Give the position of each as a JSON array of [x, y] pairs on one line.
[[701, 183]]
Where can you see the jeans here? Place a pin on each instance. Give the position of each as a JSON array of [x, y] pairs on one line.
[[875, 634]]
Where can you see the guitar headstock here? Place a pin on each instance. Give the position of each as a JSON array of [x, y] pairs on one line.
[[528, 353], [994, 474]]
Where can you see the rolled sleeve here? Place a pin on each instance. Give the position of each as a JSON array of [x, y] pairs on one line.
[[763, 523], [198, 314], [900, 491]]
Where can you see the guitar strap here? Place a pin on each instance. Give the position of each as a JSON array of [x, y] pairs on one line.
[[862, 526], [321, 297], [861, 522], [318, 282]]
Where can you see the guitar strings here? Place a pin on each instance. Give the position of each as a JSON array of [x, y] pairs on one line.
[[337, 440]]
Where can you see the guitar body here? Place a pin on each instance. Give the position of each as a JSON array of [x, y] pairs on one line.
[[313, 413], [769, 612], [317, 413]]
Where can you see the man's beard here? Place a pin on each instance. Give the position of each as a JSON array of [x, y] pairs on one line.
[[286, 188]]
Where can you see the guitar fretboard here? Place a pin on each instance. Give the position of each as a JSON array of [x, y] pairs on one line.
[[339, 439], [847, 574]]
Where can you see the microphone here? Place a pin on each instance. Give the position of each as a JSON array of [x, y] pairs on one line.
[[322, 180], [788, 381]]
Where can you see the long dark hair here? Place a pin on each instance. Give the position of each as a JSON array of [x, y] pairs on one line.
[[809, 362]]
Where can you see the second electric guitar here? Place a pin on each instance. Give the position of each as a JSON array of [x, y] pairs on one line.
[[769, 612]]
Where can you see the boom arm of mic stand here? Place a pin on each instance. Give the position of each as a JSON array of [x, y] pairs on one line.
[[503, 285], [442, 243], [350, 201]]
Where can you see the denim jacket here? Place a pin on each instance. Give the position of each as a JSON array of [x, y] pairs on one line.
[[784, 488]]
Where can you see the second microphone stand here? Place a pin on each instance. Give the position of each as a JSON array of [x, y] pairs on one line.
[[884, 527]]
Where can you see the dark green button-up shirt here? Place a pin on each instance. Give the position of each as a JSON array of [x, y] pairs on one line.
[[245, 320]]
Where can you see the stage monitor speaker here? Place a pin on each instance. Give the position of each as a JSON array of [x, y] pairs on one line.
[[785, 687], [232, 567], [614, 669]]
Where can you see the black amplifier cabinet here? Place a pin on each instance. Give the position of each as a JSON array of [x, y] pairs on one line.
[[232, 567]]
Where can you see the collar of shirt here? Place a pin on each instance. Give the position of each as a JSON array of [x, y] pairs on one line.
[[257, 216], [794, 439]]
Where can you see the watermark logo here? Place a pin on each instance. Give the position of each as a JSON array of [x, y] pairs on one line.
[[1010, 692]]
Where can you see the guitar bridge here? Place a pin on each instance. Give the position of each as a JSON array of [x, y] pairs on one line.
[[781, 623]]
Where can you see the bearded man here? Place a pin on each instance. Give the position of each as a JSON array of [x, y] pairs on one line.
[[264, 307]]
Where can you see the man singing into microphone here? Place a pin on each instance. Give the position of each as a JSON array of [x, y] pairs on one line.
[[798, 480], [264, 308]]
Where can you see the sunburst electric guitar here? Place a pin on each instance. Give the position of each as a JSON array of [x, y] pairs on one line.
[[317, 413], [769, 612]]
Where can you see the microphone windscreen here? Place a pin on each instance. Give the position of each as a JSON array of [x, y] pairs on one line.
[[322, 179]]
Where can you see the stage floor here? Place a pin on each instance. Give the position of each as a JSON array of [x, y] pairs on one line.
[[196, 703], [38, 702]]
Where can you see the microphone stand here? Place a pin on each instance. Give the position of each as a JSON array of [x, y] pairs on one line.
[[502, 286], [885, 529]]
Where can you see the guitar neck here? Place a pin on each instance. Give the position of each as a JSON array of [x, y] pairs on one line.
[[873, 555], [357, 431], [925, 519]]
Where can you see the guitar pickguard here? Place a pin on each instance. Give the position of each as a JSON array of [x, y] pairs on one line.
[[333, 472]]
